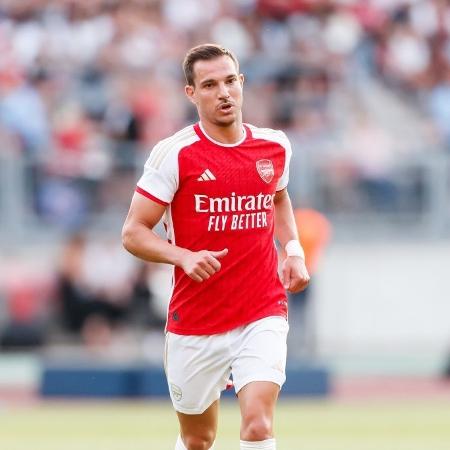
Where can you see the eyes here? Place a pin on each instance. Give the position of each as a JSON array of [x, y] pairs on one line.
[[210, 84]]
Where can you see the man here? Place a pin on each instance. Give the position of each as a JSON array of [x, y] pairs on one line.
[[221, 186]]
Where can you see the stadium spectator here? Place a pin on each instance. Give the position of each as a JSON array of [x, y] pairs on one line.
[[26, 303], [439, 106], [19, 101], [99, 286]]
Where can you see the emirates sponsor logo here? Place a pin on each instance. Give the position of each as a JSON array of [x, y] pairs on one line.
[[250, 211], [265, 169], [206, 204]]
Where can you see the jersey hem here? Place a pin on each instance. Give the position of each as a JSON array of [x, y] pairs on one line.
[[207, 332], [150, 196]]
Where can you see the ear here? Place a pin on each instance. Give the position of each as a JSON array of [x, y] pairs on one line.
[[241, 78], [189, 91]]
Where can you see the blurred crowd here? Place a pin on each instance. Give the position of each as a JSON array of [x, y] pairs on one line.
[[89, 292], [87, 87]]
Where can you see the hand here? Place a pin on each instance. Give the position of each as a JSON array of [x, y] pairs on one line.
[[294, 274], [203, 264]]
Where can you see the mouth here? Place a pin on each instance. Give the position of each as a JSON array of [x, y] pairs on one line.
[[225, 107]]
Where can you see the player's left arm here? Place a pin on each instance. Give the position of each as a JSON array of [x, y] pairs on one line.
[[294, 274]]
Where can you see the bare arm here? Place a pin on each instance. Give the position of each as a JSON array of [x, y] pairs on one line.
[[139, 239], [294, 275], [285, 226]]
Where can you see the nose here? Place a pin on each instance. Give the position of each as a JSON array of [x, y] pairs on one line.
[[223, 91]]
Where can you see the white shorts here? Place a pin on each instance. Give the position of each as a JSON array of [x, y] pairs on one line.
[[198, 367]]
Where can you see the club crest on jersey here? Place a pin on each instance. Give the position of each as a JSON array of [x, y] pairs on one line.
[[265, 169]]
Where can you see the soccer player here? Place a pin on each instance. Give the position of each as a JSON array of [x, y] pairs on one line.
[[221, 186]]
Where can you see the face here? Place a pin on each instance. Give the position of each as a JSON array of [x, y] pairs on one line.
[[217, 91]]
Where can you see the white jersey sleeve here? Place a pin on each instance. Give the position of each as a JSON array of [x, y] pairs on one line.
[[160, 177], [284, 179], [161, 172]]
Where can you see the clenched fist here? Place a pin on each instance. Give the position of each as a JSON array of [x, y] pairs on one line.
[[203, 264], [294, 275]]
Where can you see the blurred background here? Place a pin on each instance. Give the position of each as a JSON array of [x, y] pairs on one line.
[[362, 88]]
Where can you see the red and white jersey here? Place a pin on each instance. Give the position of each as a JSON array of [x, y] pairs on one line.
[[221, 196]]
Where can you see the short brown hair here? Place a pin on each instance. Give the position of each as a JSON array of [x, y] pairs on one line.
[[204, 52]]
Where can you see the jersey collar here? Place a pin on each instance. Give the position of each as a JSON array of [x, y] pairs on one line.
[[200, 130]]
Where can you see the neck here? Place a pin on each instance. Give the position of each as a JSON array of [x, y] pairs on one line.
[[229, 134]]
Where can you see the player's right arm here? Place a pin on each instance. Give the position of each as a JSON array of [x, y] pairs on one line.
[[139, 239]]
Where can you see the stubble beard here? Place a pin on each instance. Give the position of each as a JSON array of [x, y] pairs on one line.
[[225, 122]]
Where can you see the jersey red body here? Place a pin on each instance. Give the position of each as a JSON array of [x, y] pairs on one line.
[[221, 196]]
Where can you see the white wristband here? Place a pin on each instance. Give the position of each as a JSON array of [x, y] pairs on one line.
[[293, 248]]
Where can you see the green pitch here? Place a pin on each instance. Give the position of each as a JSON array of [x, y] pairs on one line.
[[319, 425]]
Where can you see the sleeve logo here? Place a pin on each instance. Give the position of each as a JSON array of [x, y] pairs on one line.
[[265, 170]]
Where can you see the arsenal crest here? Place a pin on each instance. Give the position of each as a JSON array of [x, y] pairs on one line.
[[265, 169]]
